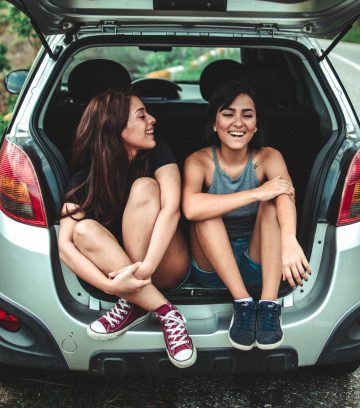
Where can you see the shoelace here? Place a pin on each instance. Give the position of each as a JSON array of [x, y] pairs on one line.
[[175, 326], [268, 319], [117, 312], [245, 319]]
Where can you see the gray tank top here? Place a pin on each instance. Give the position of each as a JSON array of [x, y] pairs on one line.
[[239, 223]]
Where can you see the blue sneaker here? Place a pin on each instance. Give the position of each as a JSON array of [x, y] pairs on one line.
[[242, 326], [268, 327]]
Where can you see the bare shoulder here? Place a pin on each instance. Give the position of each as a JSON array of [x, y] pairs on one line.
[[266, 153], [199, 158], [271, 163]]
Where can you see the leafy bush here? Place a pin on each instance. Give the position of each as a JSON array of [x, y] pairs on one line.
[[4, 63]]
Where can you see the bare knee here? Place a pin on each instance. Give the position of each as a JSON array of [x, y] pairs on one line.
[[144, 191], [268, 209], [84, 234]]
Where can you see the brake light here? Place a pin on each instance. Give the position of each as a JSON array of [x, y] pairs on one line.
[[350, 202], [9, 322], [20, 195]]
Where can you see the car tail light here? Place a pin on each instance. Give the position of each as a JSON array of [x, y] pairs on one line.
[[350, 202], [20, 195], [9, 322]]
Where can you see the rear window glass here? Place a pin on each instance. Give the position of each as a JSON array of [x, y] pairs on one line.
[[181, 64]]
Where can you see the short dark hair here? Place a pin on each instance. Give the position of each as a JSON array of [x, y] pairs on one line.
[[222, 99]]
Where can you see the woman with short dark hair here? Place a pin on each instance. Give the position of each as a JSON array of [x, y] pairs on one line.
[[240, 199]]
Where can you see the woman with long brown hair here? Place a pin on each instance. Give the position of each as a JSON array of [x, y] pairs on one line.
[[119, 225]]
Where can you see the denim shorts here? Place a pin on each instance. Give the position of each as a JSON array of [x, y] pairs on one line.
[[249, 269]]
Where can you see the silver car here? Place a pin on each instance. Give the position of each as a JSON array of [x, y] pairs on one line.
[[174, 52]]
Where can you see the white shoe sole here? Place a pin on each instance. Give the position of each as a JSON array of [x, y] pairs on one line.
[[242, 347], [110, 336], [186, 363], [269, 346], [273, 345]]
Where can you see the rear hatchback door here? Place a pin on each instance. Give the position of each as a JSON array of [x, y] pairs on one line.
[[317, 18]]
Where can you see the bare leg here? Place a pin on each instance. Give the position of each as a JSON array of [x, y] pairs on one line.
[[139, 218], [265, 247], [141, 211], [140, 214], [100, 247], [217, 254]]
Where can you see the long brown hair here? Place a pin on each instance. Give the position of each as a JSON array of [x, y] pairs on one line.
[[100, 150]]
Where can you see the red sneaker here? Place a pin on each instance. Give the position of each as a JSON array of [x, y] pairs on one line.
[[120, 318], [179, 346]]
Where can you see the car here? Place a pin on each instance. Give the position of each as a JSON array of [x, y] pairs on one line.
[[175, 53]]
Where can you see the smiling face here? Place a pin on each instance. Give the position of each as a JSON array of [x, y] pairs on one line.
[[236, 124], [139, 131]]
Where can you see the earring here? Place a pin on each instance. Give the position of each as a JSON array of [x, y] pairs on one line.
[[255, 130], [214, 128]]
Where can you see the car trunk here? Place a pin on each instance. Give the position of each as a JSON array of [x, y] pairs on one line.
[[296, 122], [297, 119]]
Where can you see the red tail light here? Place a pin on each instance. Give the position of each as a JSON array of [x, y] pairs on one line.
[[9, 322], [350, 202], [20, 195]]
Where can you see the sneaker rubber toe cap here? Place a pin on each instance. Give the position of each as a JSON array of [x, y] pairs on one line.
[[183, 355], [97, 327]]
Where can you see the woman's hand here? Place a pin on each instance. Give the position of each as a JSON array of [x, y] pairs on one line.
[[144, 271], [274, 188], [295, 266], [123, 281]]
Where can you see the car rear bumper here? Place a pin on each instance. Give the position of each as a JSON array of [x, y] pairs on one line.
[[31, 346], [28, 283], [209, 362]]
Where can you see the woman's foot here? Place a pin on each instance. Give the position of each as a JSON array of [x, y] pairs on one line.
[[120, 318], [269, 334], [242, 326], [179, 346]]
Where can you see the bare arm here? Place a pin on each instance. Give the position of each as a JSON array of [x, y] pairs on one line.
[[294, 261], [87, 270], [198, 206], [168, 177]]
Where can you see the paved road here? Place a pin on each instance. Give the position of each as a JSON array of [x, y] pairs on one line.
[[302, 389], [346, 59]]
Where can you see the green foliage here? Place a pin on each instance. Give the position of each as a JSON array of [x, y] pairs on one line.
[[3, 124], [354, 34], [20, 23], [161, 60], [4, 63], [193, 60], [10, 101]]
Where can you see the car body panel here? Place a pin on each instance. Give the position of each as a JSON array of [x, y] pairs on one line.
[[35, 289], [314, 17], [31, 270]]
